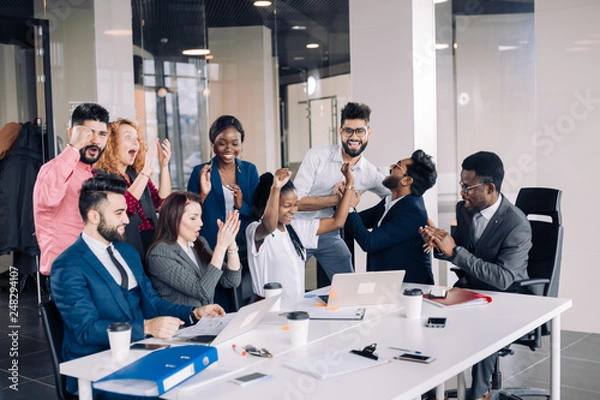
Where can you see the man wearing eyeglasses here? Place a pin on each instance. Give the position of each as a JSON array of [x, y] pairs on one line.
[[394, 241], [320, 185], [490, 245]]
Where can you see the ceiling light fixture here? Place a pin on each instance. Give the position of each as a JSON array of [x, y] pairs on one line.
[[441, 46], [312, 45], [196, 52], [210, 57], [298, 27], [262, 3]]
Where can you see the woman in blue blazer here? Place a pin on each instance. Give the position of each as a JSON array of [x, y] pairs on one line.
[[225, 183]]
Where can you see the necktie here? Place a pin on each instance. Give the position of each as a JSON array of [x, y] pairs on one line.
[[478, 226], [124, 277]]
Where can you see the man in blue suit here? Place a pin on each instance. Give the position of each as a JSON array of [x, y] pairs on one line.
[[395, 241], [99, 280]]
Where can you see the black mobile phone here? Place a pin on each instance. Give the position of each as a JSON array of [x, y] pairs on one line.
[[246, 379], [420, 358], [148, 346], [433, 322]]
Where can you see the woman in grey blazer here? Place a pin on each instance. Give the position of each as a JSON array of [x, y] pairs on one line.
[[181, 265]]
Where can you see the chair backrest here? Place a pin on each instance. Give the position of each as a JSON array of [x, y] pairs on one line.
[[53, 327], [547, 235]]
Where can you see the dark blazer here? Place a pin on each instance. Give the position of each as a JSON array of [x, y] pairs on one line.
[[396, 244], [89, 299], [501, 254], [177, 279], [214, 204]]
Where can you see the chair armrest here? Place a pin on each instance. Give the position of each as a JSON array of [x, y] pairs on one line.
[[533, 282]]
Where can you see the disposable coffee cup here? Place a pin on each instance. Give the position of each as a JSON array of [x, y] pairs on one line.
[[119, 337], [298, 324], [413, 300], [273, 289]]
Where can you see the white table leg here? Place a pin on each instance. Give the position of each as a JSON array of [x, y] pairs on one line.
[[555, 359], [461, 391], [439, 392], [85, 389]]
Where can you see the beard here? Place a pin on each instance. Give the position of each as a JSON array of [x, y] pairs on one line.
[[391, 182], [354, 153], [89, 160], [110, 233]]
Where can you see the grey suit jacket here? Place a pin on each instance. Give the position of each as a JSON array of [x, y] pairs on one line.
[[501, 254], [177, 279]]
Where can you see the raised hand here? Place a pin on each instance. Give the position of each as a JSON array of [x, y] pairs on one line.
[[238, 196], [80, 136], [164, 152], [205, 185], [281, 177], [228, 229], [150, 160], [348, 171]]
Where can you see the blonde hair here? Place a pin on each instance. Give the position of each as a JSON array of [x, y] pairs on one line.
[[109, 162]]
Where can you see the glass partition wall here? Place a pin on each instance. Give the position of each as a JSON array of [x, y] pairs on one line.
[[281, 67]]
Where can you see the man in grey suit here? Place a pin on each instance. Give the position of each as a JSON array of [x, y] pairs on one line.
[[490, 245]]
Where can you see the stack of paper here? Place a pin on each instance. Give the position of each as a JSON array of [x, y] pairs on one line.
[[333, 364], [457, 297]]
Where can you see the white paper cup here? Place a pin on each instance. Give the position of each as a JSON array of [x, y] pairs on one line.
[[119, 337], [273, 289], [413, 300], [298, 322]]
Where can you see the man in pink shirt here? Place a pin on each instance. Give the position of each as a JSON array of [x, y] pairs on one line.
[[56, 192]]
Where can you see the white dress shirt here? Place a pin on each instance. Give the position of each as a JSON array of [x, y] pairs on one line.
[[389, 203], [189, 250], [99, 250], [320, 171]]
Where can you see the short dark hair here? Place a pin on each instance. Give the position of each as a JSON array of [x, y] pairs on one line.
[[422, 171], [94, 191], [356, 111], [488, 167], [89, 112], [222, 123]]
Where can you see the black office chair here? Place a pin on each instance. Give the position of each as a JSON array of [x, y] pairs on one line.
[[542, 207], [53, 327]]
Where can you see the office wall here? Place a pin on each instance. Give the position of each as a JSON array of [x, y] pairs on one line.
[[566, 142], [242, 79]]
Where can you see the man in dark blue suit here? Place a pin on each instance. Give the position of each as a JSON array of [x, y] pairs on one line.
[[395, 241], [99, 280]]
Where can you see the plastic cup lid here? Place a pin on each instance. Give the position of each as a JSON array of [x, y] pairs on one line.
[[119, 327], [413, 292], [298, 315], [272, 285]]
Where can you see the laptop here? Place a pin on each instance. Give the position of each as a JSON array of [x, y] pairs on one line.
[[358, 289], [215, 330]]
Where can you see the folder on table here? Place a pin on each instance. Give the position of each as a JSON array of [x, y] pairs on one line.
[[457, 297], [159, 371]]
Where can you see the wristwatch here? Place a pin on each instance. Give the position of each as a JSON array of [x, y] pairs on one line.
[[352, 210]]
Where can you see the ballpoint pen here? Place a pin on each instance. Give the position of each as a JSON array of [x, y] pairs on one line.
[[238, 349], [406, 350]]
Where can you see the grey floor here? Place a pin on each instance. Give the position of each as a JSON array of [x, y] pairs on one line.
[[580, 359]]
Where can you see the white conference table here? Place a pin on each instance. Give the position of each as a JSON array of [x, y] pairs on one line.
[[471, 334]]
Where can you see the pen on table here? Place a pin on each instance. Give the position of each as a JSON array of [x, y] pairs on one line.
[[238, 349], [406, 350]]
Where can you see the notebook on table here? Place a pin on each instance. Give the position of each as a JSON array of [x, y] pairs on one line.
[[458, 297], [366, 288], [215, 330]]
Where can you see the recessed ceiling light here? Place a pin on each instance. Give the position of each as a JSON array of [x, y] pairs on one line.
[[299, 58], [586, 42], [578, 49], [439, 1], [118, 32], [196, 52], [298, 27], [441, 46], [262, 3], [210, 57], [312, 45], [507, 48]]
